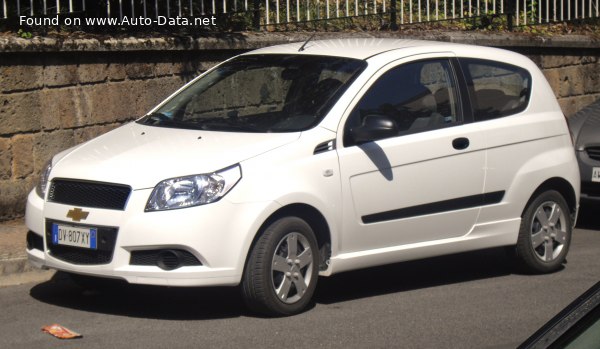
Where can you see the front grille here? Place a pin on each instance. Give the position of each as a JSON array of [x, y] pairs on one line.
[[34, 241], [106, 240], [89, 194], [593, 153], [168, 258]]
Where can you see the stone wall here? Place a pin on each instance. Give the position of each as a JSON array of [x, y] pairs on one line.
[[573, 74], [55, 94], [54, 100]]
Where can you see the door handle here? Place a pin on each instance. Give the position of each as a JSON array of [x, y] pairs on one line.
[[460, 143]]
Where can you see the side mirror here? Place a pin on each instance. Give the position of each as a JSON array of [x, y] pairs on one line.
[[374, 127]]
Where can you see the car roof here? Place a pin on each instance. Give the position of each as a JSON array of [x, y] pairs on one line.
[[359, 48]]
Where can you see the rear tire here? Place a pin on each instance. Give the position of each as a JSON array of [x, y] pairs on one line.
[[545, 234], [281, 273]]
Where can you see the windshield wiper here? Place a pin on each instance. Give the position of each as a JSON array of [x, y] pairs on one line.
[[156, 119], [225, 125], [160, 119]]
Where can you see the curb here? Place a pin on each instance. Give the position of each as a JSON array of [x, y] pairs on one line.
[[17, 271], [14, 266]]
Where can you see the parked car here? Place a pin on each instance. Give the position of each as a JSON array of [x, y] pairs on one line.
[[315, 158], [585, 127]]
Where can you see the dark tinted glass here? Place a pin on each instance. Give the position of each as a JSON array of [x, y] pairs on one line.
[[417, 96], [260, 93], [496, 89]]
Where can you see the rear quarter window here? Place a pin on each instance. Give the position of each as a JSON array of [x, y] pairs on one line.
[[496, 89]]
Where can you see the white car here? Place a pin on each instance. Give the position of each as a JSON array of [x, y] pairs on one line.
[[315, 158]]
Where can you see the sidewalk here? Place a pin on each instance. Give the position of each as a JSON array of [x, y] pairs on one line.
[[14, 268]]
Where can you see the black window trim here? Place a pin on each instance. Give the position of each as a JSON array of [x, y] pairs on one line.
[[465, 99]]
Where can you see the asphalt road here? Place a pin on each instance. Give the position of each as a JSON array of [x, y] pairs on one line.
[[472, 300]]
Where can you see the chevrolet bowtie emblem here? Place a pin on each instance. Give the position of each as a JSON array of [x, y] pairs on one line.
[[77, 214]]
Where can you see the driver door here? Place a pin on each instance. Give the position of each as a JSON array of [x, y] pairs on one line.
[[426, 182]]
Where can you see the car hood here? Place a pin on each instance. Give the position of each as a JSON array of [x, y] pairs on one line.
[[142, 156]]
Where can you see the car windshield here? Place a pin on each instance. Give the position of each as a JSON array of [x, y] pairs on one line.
[[260, 93]]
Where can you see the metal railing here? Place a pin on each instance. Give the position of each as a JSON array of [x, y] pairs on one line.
[[172, 8], [408, 11], [273, 12], [32, 8], [547, 11], [524, 12]]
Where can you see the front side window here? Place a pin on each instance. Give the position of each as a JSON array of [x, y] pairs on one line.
[[260, 93], [418, 96], [496, 89]]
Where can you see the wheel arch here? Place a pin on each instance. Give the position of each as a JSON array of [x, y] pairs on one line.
[[310, 215], [562, 186]]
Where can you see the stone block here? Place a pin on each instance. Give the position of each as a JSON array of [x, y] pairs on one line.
[[112, 102], [13, 196], [164, 69], [568, 106], [571, 82], [591, 78], [116, 71], [21, 77], [553, 77], [20, 112], [101, 103], [124, 95], [22, 149], [60, 75], [156, 90], [139, 70], [136, 98], [5, 158], [556, 61], [92, 72], [48, 144], [59, 108], [537, 59], [589, 59], [182, 67]]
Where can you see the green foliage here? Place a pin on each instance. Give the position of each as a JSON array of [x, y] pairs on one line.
[[24, 34]]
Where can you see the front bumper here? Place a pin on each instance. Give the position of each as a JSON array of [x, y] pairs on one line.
[[218, 235]]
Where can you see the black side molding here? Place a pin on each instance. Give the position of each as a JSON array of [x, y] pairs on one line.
[[436, 207]]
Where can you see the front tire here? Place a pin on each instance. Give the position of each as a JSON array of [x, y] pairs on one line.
[[545, 234], [282, 270]]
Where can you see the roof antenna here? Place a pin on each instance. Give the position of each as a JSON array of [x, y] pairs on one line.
[[306, 42]]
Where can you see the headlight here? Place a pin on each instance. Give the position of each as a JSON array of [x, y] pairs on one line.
[[40, 189], [193, 190]]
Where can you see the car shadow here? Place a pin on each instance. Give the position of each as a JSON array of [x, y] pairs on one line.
[[413, 275], [379, 159], [197, 303], [142, 301], [588, 216]]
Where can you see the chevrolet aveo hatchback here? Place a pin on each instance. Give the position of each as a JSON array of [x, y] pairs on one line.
[[315, 158]]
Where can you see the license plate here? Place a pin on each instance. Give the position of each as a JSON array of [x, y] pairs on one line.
[[596, 174], [74, 236]]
